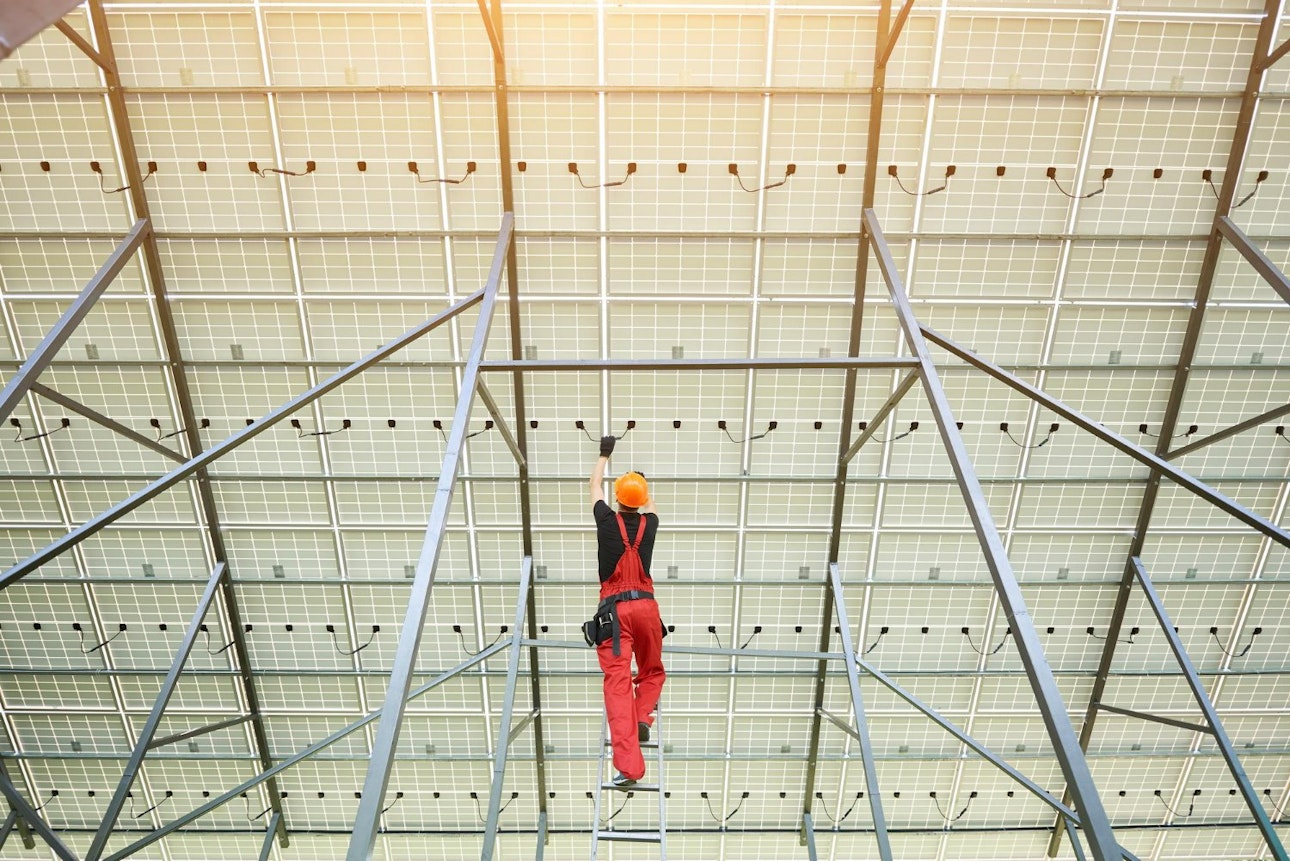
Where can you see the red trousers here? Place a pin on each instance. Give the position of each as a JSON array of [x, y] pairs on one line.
[[629, 701]]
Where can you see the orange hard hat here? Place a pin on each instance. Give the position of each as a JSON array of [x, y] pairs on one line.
[[631, 490]]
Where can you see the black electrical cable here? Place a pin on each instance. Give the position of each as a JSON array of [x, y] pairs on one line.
[[1133, 632], [479, 812], [1052, 429], [842, 818], [462, 637], [631, 169], [620, 808], [743, 796], [993, 651], [470, 168], [1213, 632], [1267, 792], [788, 171], [971, 796], [882, 632], [221, 650], [770, 426], [913, 426], [1191, 806], [756, 631], [712, 629], [77, 627], [376, 629]]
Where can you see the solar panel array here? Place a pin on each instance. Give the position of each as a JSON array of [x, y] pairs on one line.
[[290, 154]]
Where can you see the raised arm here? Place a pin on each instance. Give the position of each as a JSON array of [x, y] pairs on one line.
[[598, 471]]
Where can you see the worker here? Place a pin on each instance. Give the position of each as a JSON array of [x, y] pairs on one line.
[[625, 540]]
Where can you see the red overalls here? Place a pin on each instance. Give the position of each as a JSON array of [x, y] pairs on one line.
[[629, 702]]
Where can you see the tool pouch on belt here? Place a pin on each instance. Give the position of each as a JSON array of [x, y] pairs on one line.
[[600, 627]]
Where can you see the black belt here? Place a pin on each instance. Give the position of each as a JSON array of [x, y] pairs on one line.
[[630, 595], [608, 603]]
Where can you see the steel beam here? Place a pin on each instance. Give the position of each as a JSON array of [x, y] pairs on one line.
[[882, 37], [7, 828], [247, 786], [111, 424], [183, 397], [149, 731], [266, 848], [1167, 721], [199, 731], [1270, 272], [808, 837], [28, 814], [862, 723], [49, 346], [841, 363], [367, 820], [1276, 54], [909, 381], [494, 411], [1239, 427], [80, 41], [501, 92], [899, 24], [1160, 466], [504, 730], [1096, 822], [1182, 372], [1216, 729], [200, 461]]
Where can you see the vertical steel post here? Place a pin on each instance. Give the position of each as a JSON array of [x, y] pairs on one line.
[[161, 306], [1096, 823], [149, 731], [1186, 355], [1207, 709], [808, 832], [372, 802], [862, 723], [29, 814], [508, 708], [884, 36], [266, 848], [53, 341], [492, 14]]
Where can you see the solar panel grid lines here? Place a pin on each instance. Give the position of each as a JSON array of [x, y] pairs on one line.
[[368, 514]]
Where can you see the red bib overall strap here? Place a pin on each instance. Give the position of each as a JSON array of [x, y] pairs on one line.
[[629, 574]]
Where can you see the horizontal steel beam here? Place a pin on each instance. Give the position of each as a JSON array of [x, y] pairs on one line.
[[1270, 272], [1117, 441], [703, 650], [199, 461], [840, 363]]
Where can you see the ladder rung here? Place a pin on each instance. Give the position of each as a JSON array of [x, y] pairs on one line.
[[630, 836], [635, 787], [645, 745]]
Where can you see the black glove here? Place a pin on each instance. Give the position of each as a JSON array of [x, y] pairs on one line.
[[607, 445]]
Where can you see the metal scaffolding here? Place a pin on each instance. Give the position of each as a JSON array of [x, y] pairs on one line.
[[1087, 816]]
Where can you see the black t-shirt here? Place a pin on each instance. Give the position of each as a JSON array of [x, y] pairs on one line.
[[610, 541]]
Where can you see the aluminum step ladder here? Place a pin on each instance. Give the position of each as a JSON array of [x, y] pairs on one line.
[[604, 784]]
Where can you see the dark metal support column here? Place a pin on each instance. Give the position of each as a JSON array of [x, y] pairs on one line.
[[296, 759], [199, 461], [505, 733], [884, 37], [367, 821], [808, 834], [29, 814], [57, 336], [106, 57], [7, 828], [1211, 714], [492, 15], [862, 723], [1186, 355], [1276, 279], [149, 731], [98, 418], [1096, 823]]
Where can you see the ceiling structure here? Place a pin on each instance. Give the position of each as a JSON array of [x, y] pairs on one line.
[[687, 185]]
